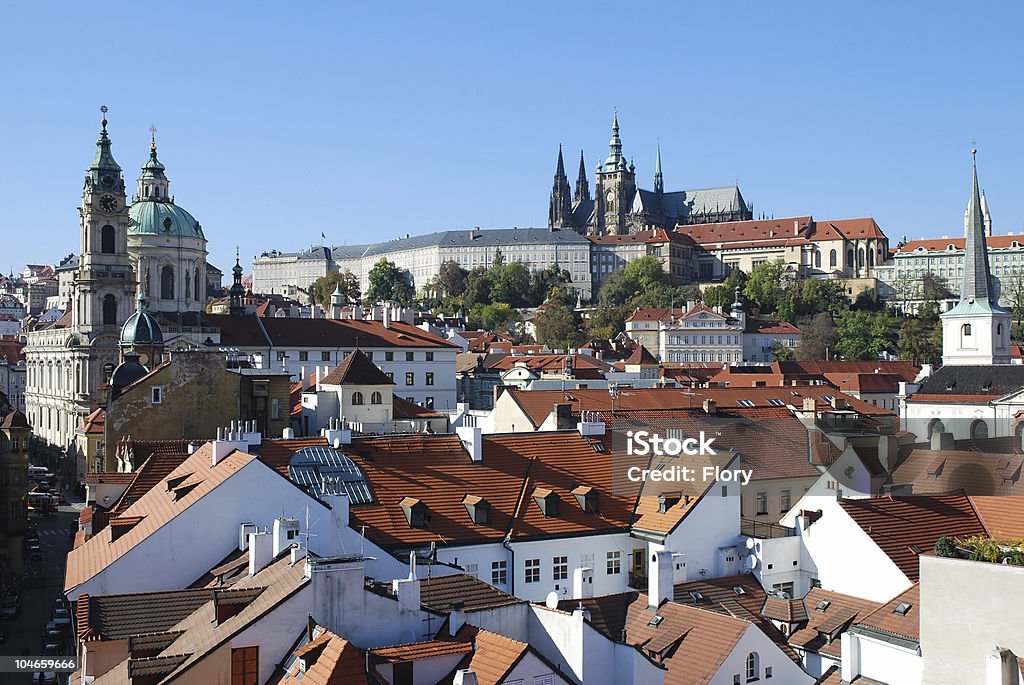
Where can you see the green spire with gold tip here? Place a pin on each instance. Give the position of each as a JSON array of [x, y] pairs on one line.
[[104, 171]]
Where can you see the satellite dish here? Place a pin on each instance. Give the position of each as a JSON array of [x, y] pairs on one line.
[[750, 543], [752, 562], [552, 600]]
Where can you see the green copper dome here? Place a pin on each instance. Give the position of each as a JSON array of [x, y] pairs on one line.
[[148, 217]]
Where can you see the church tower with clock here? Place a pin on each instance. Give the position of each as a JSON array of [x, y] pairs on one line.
[[104, 287]]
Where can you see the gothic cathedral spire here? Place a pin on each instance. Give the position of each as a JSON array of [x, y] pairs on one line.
[[560, 207], [659, 181], [582, 187]]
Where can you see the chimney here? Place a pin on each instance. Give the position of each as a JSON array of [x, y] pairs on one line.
[[942, 441], [407, 590], [339, 505], [228, 440], [710, 407], [465, 676], [288, 433], [472, 440], [810, 404], [336, 435], [386, 315], [590, 424], [839, 402], [796, 227], [1001, 667], [338, 587], [659, 578], [582, 582], [251, 435], [286, 533], [298, 554], [244, 531], [261, 551], [456, 618], [562, 412]]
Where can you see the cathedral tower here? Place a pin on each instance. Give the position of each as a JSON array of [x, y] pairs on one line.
[[582, 187], [105, 284], [977, 330], [615, 188], [560, 207]]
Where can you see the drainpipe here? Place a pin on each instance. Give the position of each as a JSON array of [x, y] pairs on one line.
[[507, 544]]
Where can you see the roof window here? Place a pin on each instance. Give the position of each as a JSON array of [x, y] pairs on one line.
[[902, 608]]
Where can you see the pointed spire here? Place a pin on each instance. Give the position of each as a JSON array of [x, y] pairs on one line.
[[582, 187], [237, 291], [560, 168], [560, 205], [659, 182], [615, 161], [976, 285], [153, 184], [103, 164]]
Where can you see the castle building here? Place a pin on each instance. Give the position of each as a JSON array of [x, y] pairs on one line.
[[619, 207]]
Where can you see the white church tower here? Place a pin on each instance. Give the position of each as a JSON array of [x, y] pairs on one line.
[[977, 330]]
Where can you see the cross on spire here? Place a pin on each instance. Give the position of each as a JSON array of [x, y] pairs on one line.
[[103, 122], [152, 138]]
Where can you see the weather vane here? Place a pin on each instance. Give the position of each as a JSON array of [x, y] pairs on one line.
[[103, 108]]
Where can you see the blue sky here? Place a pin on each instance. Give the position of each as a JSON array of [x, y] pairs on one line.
[[279, 121]]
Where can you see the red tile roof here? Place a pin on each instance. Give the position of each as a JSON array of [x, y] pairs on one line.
[[641, 357], [356, 369], [994, 242], [411, 651], [330, 660], [886, 620], [905, 527], [828, 615], [93, 423], [757, 230]]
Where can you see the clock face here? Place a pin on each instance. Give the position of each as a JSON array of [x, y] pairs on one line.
[[611, 196], [108, 203]]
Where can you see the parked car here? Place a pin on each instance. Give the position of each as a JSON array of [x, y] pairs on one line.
[[11, 608], [53, 637], [61, 617]]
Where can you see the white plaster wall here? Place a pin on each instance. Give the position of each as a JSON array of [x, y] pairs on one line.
[[968, 608], [275, 633], [846, 560], [784, 670], [886, 662]]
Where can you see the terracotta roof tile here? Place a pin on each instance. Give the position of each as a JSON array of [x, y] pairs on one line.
[[493, 655], [905, 527], [438, 593], [825, 624], [411, 651], [994, 242], [330, 660], [904, 624], [115, 617], [973, 473], [748, 231], [1003, 517], [356, 369]]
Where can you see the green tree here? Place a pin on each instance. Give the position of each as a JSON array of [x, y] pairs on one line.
[[718, 296], [558, 327], [388, 282], [865, 335], [767, 284], [322, 288], [450, 281], [920, 340], [934, 287], [818, 339], [607, 322], [544, 280], [478, 287], [493, 317], [639, 276], [510, 283], [818, 295]]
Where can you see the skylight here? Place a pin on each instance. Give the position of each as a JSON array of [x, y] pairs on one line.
[[745, 403], [697, 596], [328, 471], [775, 402], [822, 605], [739, 590], [902, 608], [656, 620]]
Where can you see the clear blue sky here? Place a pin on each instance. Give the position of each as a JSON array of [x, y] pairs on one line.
[[366, 121]]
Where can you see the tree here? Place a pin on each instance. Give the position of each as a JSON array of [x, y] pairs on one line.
[[478, 287], [767, 284], [324, 287], [641, 275], [718, 296], [920, 340], [607, 322], [558, 327], [388, 282], [817, 295], [450, 281], [510, 283], [543, 281], [493, 317], [934, 287], [865, 335], [1011, 295], [818, 339]]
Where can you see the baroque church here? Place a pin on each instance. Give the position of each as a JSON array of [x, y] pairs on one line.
[[137, 258], [619, 207]]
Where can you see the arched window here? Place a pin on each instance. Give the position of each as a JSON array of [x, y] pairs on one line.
[[860, 257], [107, 239], [196, 290], [832, 259], [109, 310], [871, 257], [376, 398], [966, 330], [145, 192], [357, 397], [753, 666], [849, 257], [167, 283], [979, 430], [999, 331], [935, 426], [817, 259]]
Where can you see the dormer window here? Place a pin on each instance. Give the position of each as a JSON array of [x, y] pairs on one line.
[[547, 501], [416, 512], [478, 508], [587, 498]]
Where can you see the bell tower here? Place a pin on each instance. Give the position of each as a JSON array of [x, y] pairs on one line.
[[105, 283], [615, 189]]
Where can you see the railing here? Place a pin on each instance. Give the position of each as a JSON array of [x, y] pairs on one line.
[[764, 529]]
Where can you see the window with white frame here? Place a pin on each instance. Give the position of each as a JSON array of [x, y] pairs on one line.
[[614, 562], [156, 394], [560, 568], [532, 572], [499, 572]]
